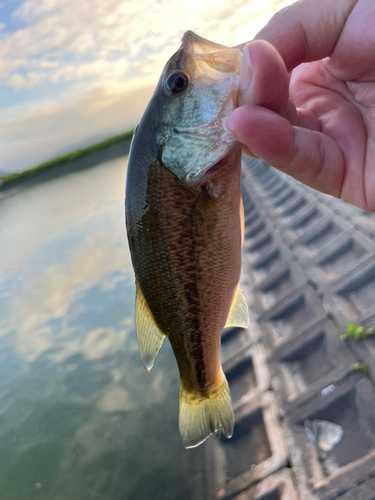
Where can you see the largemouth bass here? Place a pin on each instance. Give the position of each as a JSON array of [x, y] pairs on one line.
[[185, 228]]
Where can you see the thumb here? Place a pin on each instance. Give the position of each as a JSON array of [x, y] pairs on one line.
[[264, 83], [264, 80]]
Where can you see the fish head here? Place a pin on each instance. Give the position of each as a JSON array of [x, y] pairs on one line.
[[196, 92]]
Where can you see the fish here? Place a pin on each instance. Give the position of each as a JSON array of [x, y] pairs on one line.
[[184, 220]]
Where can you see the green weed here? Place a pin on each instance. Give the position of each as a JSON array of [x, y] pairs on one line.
[[361, 368], [355, 332]]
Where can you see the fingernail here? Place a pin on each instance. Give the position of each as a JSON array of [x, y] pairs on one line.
[[246, 69], [227, 127]]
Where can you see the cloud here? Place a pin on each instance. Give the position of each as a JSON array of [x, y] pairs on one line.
[[70, 241], [86, 38], [108, 56], [66, 39], [116, 399], [103, 341], [46, 128]]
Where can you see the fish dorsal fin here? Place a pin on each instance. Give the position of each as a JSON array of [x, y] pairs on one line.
[[239, 313], [150, 338]]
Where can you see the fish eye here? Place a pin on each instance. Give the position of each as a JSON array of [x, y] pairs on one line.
[[177, 82]]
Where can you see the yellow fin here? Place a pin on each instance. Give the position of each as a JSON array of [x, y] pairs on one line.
[[202, 416], [239, 313], [150, 338]]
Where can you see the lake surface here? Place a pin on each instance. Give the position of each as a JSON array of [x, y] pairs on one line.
[[80, 418]]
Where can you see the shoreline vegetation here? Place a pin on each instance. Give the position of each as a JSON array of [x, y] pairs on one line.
[[82, 158]]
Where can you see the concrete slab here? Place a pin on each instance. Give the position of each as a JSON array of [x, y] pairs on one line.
[[301, 223], [247, 374], [293, 315], [280, 282], [256, 450], [308, 364], [279, 486], [320, 237], [327, 470], [352, 296], [233, 341], [259, 265], [347, 252]]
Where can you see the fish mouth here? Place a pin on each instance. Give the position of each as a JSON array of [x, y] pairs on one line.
[[192, 42], [223, 59]]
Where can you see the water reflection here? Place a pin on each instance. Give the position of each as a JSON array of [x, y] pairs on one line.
[[79, 415]]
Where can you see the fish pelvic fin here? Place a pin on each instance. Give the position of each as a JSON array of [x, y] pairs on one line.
[[150, 337], [239, 312], [200, 416]]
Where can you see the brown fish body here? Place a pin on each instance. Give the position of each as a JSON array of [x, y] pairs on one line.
[[187, 259]]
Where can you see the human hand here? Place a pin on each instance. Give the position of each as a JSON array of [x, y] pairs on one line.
[[317, 124]]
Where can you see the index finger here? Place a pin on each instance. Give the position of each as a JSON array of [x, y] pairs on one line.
[[307, 30]]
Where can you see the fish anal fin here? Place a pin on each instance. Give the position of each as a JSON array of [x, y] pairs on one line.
[[150, 337], [202, 416], [239, 313]]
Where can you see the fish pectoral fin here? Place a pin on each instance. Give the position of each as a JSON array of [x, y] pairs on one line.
[[239, 312], [150, 337], [200, 416]]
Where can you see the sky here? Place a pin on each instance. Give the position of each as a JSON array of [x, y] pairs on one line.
[[75, 72]]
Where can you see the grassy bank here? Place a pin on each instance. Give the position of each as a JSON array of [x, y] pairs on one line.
[[71, 158]]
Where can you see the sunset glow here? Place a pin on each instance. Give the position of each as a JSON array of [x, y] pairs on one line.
[[72, 73]]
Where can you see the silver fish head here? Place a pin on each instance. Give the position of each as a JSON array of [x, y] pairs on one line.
[[183, 122]]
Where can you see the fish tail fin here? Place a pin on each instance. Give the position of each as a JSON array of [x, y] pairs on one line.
[[200, 416]]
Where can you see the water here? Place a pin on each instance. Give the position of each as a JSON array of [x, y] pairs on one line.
[[80, 418]]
